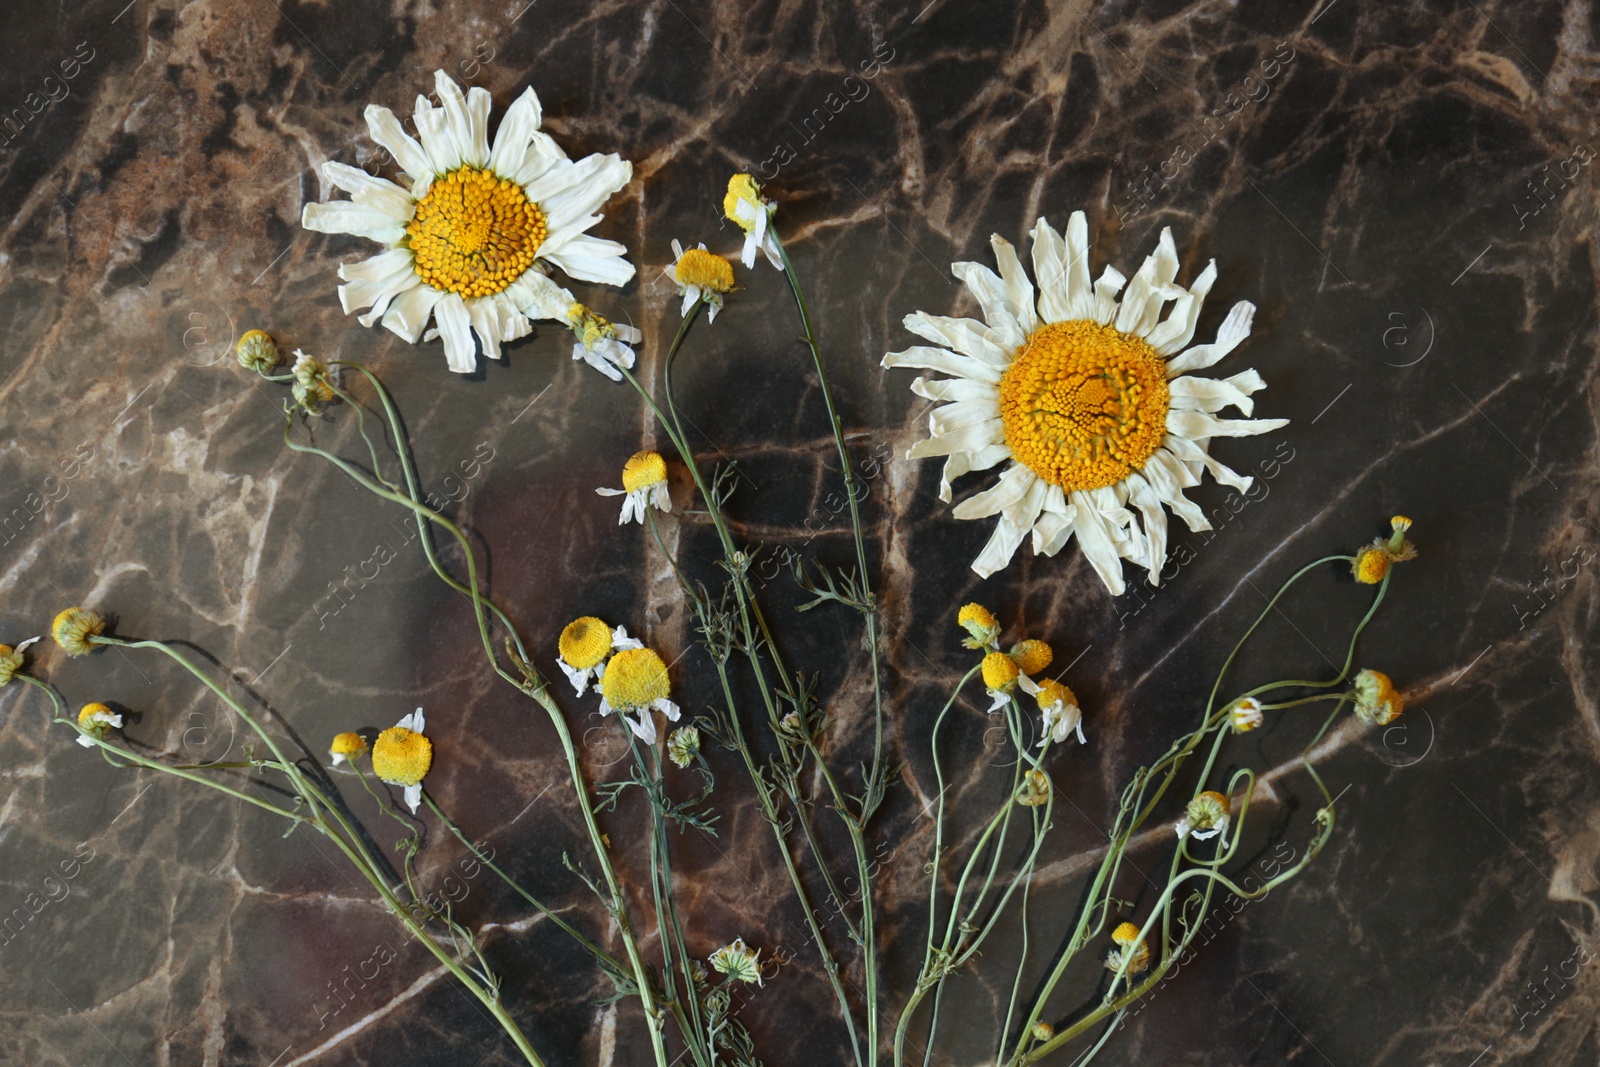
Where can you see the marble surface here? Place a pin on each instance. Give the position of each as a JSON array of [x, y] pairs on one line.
[[1406, 192]]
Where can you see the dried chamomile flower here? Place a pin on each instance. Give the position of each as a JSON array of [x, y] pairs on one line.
[[1062, 717], [96, 721], [1131, 949], [636, 681], [644, 484], [700, 275], [73, 628], [347, 748], [1377, 700], [601, 343], [1205, 817], [1245, 715], [745, 206], [738, 961], [683, 744], [11, 659], [402, 756]]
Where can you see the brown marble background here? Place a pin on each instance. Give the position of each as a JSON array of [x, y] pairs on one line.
[[1427, 320]]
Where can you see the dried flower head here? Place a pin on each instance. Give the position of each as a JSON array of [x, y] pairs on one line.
[[1245, 715], [636, 681], [96, 721], [980, 624], [644, 484], [738, 961], [1035, 788], [1377, 700], [1032, 656], [1205, 817], [347, 748], [257, 351], [11, 659], [683, 744], [744, 205], [73, 628], [402, 756]]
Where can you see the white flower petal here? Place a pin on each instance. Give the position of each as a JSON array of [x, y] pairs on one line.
[[945, 362], [667, 708], [1018, 289], [484, 314], [593, 180], [1195, 424], [539, 297], [1178, 329], [386, 131], [380, 194], [969, 438], [942, 420], [591, 259], [1080, 291], [1207, 394], [1002, 545], [468, 118], [966, 336], [1235, 328], [517, 127], [413, 795], [345, 216], [959, 463], [455, 327], [1105, 295], [1148, 501], [1012, 486], [1186, 451], [408, 312], [990, 292], [438, 138], [372, 283], [1098, 542], [1050, 272], [951, 389]]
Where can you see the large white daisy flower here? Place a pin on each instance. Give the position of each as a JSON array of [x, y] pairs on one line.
[[472, 228], [1089, 397]]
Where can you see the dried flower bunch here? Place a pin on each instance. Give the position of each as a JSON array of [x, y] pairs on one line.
[[1083, 391]]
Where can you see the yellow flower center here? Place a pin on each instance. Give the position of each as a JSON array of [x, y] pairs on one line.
[[401, 756], [705, 269], [1083, 405], [635, 678], [585, 642], [999, 672], [474, 233], [643, 470], [1032, 656], [347, 744], [1052, 692], [741, 187], [1125, 934], [1371, 565]]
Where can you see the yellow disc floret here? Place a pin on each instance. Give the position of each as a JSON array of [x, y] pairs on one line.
[[73, 628], [643, 470], [474, 233], [1125, 934], [585, 642], [1052, 692], [1084, 405], [705, 269], [742, 187], [347, 745], [401, 756], [1371, 565], [635, 678], [999, 672], [1032, 656]]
